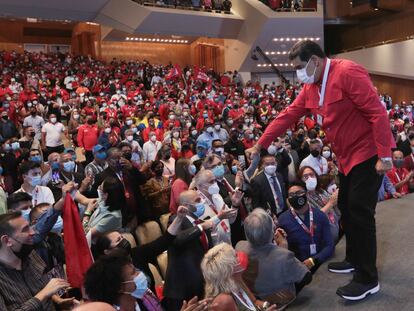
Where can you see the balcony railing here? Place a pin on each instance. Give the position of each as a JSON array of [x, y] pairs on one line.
[[291, 5], [216, 6]]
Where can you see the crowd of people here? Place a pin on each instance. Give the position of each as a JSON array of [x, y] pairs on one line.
[[206, 5], [131, 142], [290, 5]]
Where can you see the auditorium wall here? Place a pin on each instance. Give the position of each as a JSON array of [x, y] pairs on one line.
[[157, 53], [398, 89]]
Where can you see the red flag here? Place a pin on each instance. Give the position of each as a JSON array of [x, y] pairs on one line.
[[175, 72], [77, 253], [201, 75]]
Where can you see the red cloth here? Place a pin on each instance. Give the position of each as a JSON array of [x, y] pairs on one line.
[[77, 253], [177, 187], [175, 72], [355, 122], [396, 175]]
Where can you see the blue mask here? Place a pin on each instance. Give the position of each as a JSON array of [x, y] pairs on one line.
[[141, 286], [36, 159], [201, 154], [55, 165], [218, 171], [234, 169], [26, 213], [200, 208], [1, 170], [36, 181], [15, 145], [58, 226], [101, 155], [192, 169], [69, 166]]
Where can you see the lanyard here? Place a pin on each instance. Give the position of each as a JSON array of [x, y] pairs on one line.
[[213, 207], [324, 81], [300, 222]]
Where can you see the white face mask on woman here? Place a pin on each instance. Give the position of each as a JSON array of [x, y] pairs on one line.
[[311, 183]]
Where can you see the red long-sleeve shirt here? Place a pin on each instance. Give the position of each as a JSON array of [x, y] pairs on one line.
[[87, 136], [355, 122]]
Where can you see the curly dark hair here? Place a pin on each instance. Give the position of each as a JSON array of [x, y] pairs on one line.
[[103, 280]]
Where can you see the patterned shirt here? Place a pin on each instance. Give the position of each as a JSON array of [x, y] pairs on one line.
[[18, 287]]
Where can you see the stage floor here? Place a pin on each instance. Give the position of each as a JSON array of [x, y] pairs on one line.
[[395, 238]]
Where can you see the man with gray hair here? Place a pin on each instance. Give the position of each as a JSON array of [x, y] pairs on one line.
[[273, 273]]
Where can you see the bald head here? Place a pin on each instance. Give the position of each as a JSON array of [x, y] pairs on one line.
[[204, 177], [93, 306], [188, 197]]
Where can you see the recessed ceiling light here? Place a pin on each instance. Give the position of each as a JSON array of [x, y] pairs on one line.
[[273, 53], [259, 65], [275, 39], [282, 39], [287, 39]]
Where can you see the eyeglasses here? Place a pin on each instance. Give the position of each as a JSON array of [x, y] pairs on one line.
[[306, 176]]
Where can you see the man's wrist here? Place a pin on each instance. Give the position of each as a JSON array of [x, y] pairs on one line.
[[386, 159]]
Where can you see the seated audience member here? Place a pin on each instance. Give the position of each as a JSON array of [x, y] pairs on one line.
[[128, 178], [409, 159], [184, 172], [23, 282], [183, 278], [220, 266], [114, 279], [107, 216], [142, 254], [307, 228], [268, 188], [98, 165], [32, 179], [387, 190], [273, 273], [398, 175], [157, 191], [315, 160], [215, 207], [53, 166], [321, 199]]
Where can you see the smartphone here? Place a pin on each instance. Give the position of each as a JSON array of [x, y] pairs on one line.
[[72, 292]]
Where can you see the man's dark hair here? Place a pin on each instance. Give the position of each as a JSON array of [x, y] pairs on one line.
[[297, 183], [16, 198], [111, 151], [5, 227], [305, 49], [124, 144], [26, 166], [103, 280]]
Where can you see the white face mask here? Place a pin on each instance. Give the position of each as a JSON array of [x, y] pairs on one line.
[[130, 138], [303, 75], [108, 130], [272, 149], [311, 183], [213, 189], [270, 169], [326, 154], [153, 138], [53, 120]]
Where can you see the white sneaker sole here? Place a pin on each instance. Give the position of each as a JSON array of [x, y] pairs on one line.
[[368, 292], [342, 271]]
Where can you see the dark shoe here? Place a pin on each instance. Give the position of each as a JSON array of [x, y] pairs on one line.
[[341, 267], [357, 291]]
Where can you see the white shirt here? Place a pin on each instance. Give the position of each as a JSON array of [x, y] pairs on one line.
[[40, 194], [319, 164], [53, 133], [36, 122], [150, 150]]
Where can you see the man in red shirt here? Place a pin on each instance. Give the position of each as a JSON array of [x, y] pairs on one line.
[[341, 96], [399, 175], [88, 137]]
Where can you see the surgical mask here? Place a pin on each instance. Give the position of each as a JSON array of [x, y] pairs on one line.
[[230, 122], [130, 138], [398, 163], [272, 149], [219, 151], [128, 122], [194, 132], [26, 213], [76, 116], [297, 202], [108, 130], [188, 124], [1, 170], [303, 76], [326, 154], [250, 136], [289, 133], [217, 127], [101, 155], [218, 171], [311, 183], [35, 180], [205, 115], [270, 169], [55, 165], [36, 158], [176, 134], [200, 208], [213, 189], [234, 169], [209, 129], [201, 153], [141, 286], [153, 138], [192, 169], [69, 166], [53, 120], [15, 145]]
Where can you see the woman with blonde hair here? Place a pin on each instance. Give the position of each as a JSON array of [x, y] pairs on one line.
[[220, 267]]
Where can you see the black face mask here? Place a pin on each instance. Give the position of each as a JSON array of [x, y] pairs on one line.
[[32, 134], [5, 118], [234, 137], [300, 137], [315, 153], [167, 155], [91, 121], [298, 201], [24, 251], [33, 113], [128, 155], [124, 245], [159, 171]]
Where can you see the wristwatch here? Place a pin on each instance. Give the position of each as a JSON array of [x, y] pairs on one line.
[[387, 159]]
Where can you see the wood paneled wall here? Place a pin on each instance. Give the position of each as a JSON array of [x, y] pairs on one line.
[[157, 53], [208, 52], [398, 89]]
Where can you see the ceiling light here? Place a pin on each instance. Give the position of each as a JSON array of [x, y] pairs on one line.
[[286, 64], [284, 52], [259, 65], [145, 39], [275, 39], [278, 53], [127, 38], [282, 39], [287, 39], [267, 53], [311, 39], [317, 39], [305, 38], [186, 41], [273, 53]]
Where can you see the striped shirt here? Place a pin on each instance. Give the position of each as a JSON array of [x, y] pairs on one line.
[[18, 287]]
